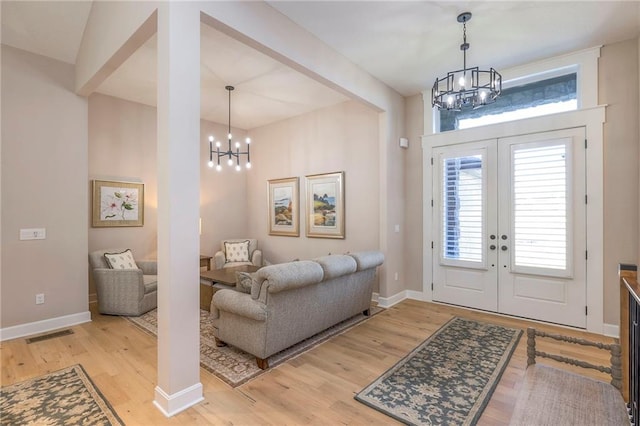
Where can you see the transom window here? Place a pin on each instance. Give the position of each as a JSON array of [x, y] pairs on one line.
[[548, 96]]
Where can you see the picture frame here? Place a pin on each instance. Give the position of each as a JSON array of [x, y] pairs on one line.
[[116, 204], [284, 208], [325, 205]]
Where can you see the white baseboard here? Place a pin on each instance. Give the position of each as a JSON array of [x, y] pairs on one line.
[[170, 405], [38, 327], [611, 330], [387, 302]]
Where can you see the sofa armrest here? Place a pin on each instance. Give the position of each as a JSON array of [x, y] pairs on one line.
[[149, 267], [219, 260], [368, 259], [113, 281], [240, 304], [256, 258]]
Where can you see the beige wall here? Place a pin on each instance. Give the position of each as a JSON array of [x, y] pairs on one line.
[[44, 184], [223, 195], [340, 138], [618, 89], [122, 146], [414, 127]]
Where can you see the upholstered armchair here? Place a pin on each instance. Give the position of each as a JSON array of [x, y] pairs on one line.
[[238, 252], [129, 289]]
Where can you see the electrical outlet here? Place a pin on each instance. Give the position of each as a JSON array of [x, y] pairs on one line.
[[395, 276], [39, 298]]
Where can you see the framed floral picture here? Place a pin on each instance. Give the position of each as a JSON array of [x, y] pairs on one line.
[[284, 211], [325, 205], [117, 204]]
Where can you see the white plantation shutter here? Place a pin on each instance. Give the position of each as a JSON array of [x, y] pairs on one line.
[[540, 201], [462, 208]]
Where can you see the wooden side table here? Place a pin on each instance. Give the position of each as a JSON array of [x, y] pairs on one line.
[[205, 262]]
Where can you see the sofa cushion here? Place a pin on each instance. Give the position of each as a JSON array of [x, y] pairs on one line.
[[336, 265], [123, 260], [237, 251], [368, 259], [287, 276], [244, 281], [150, 283]]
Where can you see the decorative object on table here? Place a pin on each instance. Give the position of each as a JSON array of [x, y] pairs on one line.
[[229, 153], [447, 379], [234, 366], [466, 87], [117, 204], [284, 210], [64, 397], [127, 288], [325, 205], [238, 252]]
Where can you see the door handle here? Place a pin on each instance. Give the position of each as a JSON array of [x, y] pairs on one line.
[[503, 248], [493, 237], [492, 247], [504, 237]]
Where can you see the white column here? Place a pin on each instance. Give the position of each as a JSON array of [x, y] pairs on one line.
[[178, 127]]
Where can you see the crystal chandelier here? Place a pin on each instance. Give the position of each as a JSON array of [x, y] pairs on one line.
[[468, 86], [229, 153]]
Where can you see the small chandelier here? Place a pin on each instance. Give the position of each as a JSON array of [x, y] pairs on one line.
[[229, 153], [468, 86]]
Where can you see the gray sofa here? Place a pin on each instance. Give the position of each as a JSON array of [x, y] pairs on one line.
[[290, 302]]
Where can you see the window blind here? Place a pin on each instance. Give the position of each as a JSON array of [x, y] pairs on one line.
[[540, 207], [462, 208]]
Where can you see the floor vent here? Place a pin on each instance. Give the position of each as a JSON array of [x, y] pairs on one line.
[[49, 336]]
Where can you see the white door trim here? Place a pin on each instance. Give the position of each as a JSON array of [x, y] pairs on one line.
[[592, 119]]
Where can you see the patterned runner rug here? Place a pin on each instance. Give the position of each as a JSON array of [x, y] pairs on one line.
[[233, 365], [448, 378], [64, 397]]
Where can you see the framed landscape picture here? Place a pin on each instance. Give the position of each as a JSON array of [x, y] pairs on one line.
[[325, 205], [284, 211], [117, 204]]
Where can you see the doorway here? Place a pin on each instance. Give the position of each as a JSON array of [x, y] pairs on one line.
[[509, 225]]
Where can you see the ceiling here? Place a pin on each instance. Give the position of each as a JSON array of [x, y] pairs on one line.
[[405, 44]]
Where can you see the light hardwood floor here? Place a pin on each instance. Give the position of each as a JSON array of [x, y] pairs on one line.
[[317, 387]]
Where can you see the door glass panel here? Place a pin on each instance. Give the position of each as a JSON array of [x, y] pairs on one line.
[[462, 208], [540, 206]]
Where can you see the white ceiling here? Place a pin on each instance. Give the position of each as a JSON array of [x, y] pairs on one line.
[[405, 44]]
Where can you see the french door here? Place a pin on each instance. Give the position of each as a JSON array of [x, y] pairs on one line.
[[509, 226]]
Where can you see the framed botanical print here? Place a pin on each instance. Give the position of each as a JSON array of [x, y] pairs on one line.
[[117, 204], [325, 205], [284, 211]]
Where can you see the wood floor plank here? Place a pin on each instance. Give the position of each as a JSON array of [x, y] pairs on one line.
[[317, 387]]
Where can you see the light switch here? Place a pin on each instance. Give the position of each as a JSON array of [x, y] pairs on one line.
[[33, 234], [397, 227]]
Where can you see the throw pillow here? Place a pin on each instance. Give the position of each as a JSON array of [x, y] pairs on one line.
[[244, 281], [122, 260], [237, 252]]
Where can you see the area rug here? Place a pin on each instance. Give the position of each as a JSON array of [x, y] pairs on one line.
[[233, 365], [448, 379], [64, 397]]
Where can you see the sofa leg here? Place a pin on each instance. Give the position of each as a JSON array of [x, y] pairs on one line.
[[366, 312], [263, 364], [220, 343]]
